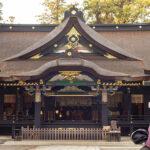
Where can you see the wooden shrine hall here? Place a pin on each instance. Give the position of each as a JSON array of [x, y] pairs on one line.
[[74, 75]]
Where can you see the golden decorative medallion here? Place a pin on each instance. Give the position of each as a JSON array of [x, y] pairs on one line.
[[73, 31], [73, 38], [70, 75]]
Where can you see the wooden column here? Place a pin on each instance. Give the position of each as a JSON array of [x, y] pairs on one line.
[[19, 102], [129, 101], [104, 111], [146, 92], [129, 109], [37, 107], [127, 104], [98, 100], [1, 102]]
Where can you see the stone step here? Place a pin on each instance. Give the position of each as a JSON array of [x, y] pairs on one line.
[[62, 147], [85, 148], [66, 142]]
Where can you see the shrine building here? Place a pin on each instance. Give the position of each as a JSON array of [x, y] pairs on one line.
[[74, 75]]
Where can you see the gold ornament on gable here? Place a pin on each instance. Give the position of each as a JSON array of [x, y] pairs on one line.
[[70, 75]]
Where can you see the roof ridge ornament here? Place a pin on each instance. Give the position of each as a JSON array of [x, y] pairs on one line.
[[74, 12]]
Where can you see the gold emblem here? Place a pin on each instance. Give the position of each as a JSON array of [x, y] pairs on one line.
[[73, 38], [70, 75]]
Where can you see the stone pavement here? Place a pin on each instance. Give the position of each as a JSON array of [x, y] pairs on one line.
[[67, 147], [61, 147], [9, 144]]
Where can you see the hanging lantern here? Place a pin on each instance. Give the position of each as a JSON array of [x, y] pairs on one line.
[[57, 111]]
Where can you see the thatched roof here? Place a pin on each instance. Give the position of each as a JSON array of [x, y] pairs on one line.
[[130, 46], [88, 33]]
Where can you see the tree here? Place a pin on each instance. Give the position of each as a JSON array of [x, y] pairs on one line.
[[0, 11], [53, 11], [11, 19], [117, 11]]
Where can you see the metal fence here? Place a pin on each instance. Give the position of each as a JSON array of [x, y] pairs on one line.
[[63, 133]]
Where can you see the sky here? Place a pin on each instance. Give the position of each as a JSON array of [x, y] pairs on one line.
[[25, 11]]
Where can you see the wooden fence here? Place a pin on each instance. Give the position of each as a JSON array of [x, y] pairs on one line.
[[63, 133]]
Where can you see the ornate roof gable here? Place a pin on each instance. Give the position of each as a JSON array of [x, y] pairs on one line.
[[74, 20]]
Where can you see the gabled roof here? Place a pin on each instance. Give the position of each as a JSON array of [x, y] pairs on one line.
[[103, 67], [73, 62], [135, 42], [73, 20], [38, 69], [18, 46]]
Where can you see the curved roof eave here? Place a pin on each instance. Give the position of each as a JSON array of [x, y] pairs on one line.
[[77, 62], [84, 29], [52, 36], [104, 43]]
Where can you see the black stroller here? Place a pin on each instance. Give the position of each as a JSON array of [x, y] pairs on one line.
[[140, 136]]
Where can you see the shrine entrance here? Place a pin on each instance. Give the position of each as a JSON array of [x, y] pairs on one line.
[[71, 109], [72, 99]]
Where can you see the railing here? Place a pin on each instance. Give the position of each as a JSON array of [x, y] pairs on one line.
[[16, 117], [111, 117], [63, 133]]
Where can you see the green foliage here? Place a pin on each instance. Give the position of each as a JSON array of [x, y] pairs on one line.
[[54, 11], [1, 11], [117, 11], [100, 11], [11, 19]]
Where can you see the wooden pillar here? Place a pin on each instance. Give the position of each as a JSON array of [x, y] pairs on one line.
[[1, 102], [98, 100], [129, 109], [127, 112], [104, 111], [37, 107], [127, 103], [19, 102], [146, 92]]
